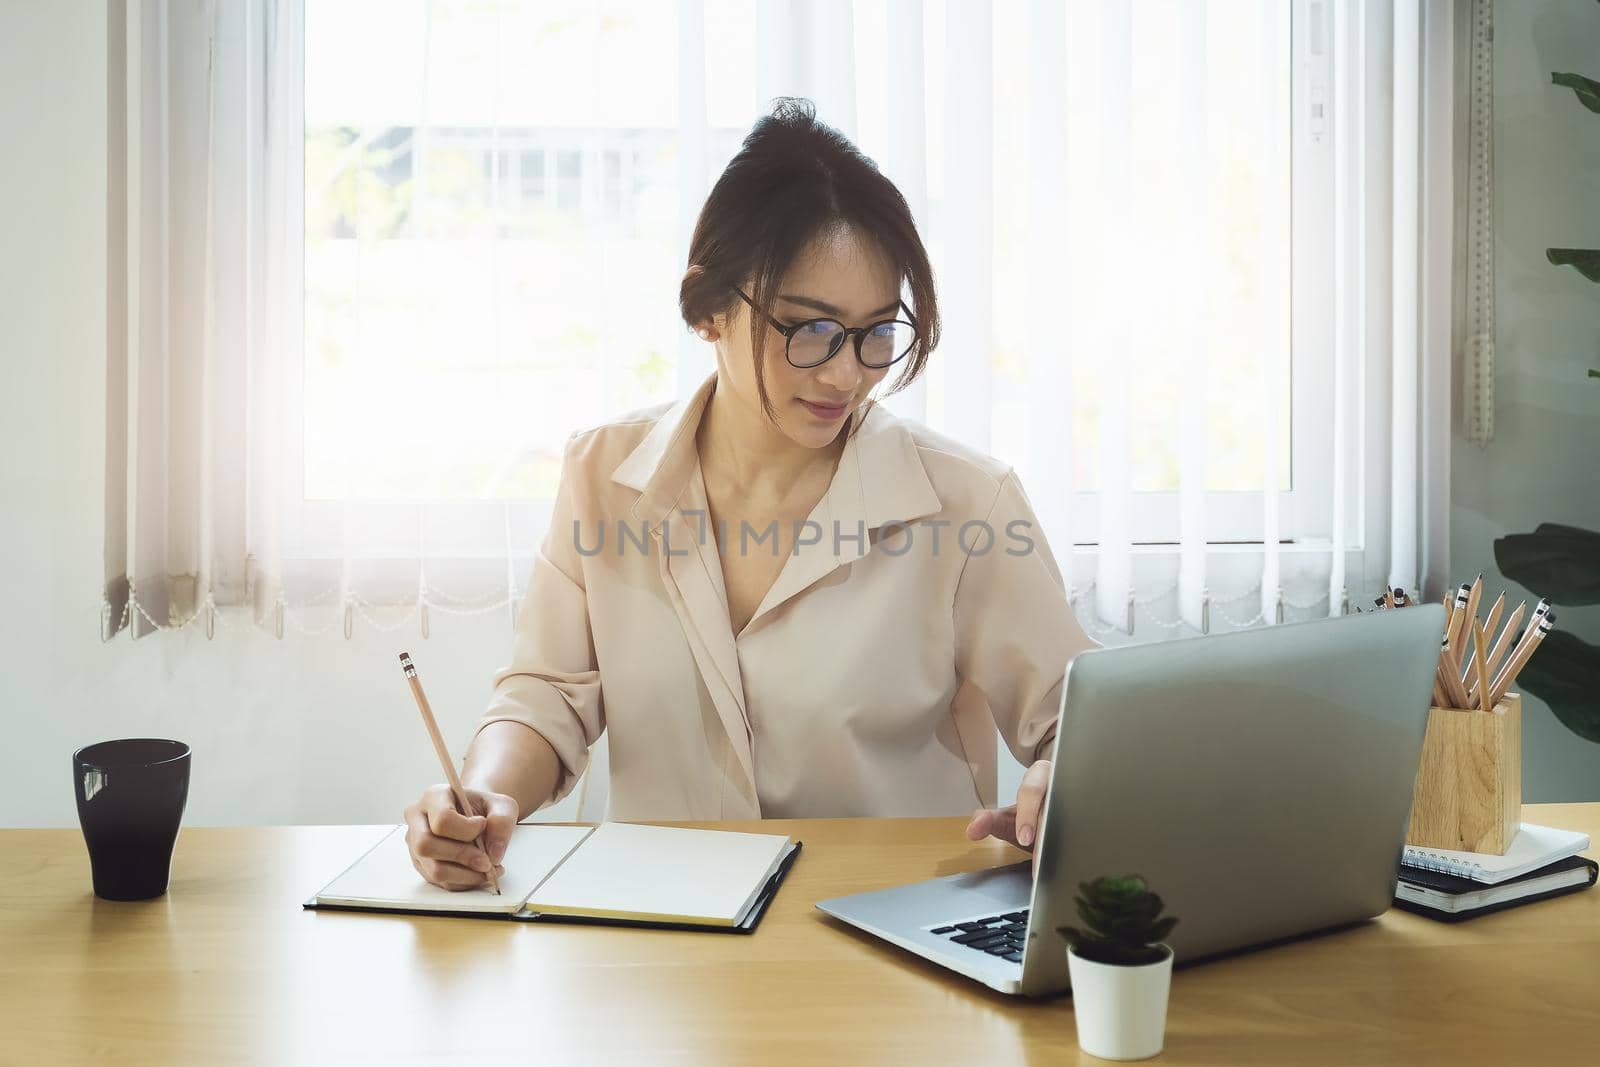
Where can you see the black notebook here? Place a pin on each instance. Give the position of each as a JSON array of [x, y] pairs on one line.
[[1449, 898]]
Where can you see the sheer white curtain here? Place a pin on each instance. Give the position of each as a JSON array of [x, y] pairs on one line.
[[203, 216], [1230, 393]]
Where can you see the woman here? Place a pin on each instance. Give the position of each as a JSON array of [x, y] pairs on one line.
[[782, 600]]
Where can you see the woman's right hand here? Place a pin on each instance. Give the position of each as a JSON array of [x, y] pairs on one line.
[[441, 839]]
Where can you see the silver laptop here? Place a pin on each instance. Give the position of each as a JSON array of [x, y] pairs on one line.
[[1260, 781]]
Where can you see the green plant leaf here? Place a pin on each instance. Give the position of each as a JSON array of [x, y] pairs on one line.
[[1565, 673], [1122, 921], [1587, 89], [1585, 260], [1555, 561], [1592, 372]]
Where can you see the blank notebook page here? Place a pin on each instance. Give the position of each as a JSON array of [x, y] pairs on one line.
[[384, 877], [662, 873]]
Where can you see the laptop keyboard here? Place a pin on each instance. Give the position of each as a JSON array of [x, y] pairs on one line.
[[998, 935]]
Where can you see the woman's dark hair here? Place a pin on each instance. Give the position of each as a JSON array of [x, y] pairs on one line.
[[793, 181]]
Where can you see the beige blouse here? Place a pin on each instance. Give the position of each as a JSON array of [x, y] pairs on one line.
[[925, 609]]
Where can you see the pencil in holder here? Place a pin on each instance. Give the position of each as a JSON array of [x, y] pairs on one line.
[[1468, 794]]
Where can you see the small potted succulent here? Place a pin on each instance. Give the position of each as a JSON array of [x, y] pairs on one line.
[[1120, 967]]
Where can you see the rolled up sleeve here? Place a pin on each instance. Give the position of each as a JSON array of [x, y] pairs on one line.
[[1015, 630], [552, 683]]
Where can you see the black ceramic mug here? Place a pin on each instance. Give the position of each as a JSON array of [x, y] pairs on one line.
[[131, 794]]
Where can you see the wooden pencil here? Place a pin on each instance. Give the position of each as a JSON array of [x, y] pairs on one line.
[[1445, 672], [1481, 661], [1457, 691], [1458, 620], [1507, 635], [463, 805], [1472, 605], [1465, 660], [1450, 655], [1528, 631], [1493, 618], [1439, 671], [1502, 644], [1519, 658], [1488, 627]]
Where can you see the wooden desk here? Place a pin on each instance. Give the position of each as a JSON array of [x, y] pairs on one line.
[[227, 968]]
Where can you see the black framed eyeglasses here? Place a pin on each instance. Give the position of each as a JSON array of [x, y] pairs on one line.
[[815, 341]]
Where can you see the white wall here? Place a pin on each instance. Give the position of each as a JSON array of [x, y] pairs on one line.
[[1544, 462]]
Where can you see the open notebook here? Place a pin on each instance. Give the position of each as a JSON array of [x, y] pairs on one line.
[[615, 873]]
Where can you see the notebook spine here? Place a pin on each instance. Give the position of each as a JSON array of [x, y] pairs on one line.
[[1431, 861]]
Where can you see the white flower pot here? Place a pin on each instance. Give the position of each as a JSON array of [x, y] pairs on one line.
[[1121, 1011]]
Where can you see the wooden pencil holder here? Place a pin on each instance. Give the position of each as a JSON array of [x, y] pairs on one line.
[[1468, 794]]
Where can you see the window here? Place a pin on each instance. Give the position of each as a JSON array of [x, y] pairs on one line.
[[493, 228]]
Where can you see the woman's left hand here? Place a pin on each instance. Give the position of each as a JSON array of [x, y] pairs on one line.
[[1017, 823]]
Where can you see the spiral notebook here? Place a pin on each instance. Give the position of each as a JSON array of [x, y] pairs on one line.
[[616, 873], [1450, 899], [1533, 847]]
